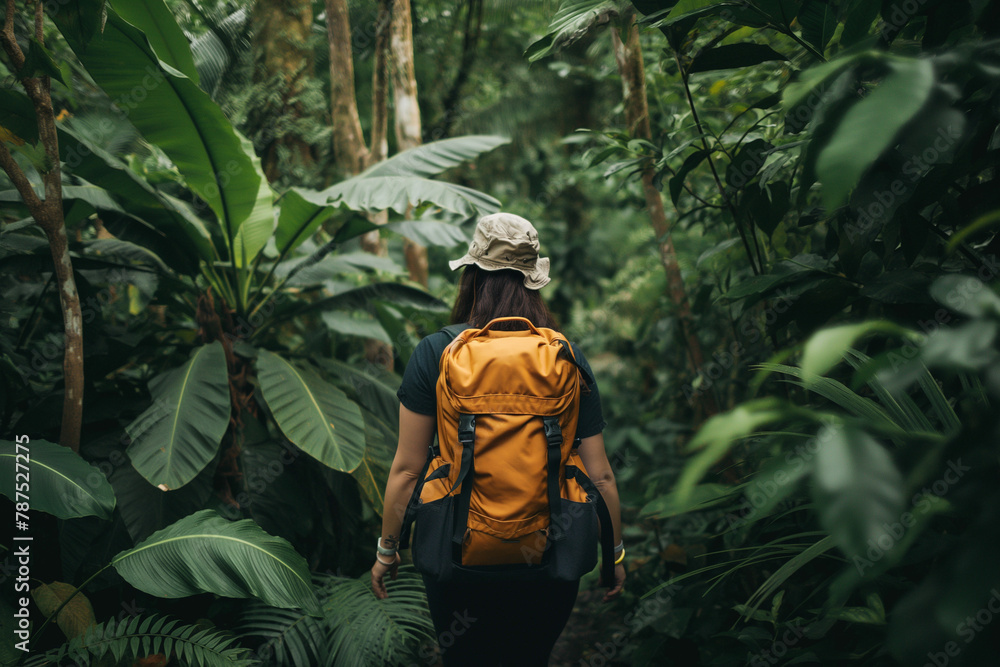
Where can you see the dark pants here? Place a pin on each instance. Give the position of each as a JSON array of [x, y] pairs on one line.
[[499, 623]]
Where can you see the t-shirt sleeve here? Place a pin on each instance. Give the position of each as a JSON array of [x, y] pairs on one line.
[[591, 416], [418, 389]]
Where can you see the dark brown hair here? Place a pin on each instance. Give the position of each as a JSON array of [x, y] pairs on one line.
[[484, 295]]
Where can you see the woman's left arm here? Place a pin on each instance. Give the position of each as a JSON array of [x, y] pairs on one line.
[[416, 433], [595, 460]]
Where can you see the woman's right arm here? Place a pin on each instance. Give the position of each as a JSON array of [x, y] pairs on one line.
[[595, 460], [416, 433]]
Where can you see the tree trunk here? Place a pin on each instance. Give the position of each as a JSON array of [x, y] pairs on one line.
[[48, 214], [349, 150], [283, 61], [407, 118], [372, 241], [628, 56]]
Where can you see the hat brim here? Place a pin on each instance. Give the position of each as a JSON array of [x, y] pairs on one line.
[[534, 279]]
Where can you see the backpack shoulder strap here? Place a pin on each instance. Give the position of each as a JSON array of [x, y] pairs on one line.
[[588, 378], [454, 329]]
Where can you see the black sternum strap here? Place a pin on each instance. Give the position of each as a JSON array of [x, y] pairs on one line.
[[554, 438], [466, 438]]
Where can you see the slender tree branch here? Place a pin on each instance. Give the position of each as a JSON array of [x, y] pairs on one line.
[[19, 179], [48, 214], [711, 163], [10, 45], [470, 42], [628, 57]]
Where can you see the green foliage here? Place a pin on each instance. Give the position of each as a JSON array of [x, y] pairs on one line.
[[356, 628], [204, 552], [55, 479], [316, 416], [140, 636], [179, 434]]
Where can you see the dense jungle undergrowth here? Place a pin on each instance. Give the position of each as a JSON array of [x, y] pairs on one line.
[[772, 225]]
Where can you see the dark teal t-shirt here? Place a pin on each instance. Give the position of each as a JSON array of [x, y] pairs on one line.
[[418, 391]]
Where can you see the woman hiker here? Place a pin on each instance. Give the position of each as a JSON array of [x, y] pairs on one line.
[[506, 622]]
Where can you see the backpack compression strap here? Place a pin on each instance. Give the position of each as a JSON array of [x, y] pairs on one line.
[[607, 528], [553, 435], [467, 438]]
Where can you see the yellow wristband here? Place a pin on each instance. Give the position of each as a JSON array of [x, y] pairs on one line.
[[621, 557]]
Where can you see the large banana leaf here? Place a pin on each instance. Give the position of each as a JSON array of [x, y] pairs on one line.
[[59, 481], [432, 158], [318, 417], [259, 225], [146, 509], [175, 229], [298, 220], [378, 193], [173, 113], [396, 183], [164, 35], [362, 297], [429, 232], [177, 436], [204, 553]]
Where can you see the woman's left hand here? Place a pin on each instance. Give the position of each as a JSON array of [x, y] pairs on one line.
[[379, 570], [616, 590]]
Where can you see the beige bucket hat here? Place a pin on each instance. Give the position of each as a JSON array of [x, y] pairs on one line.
[[507, 241]]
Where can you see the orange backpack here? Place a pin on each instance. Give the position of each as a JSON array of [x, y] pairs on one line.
[[504, 493]]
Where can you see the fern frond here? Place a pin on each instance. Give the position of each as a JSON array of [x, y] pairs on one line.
[[368, 631], [356, 630], [140, 636], [292, 637]]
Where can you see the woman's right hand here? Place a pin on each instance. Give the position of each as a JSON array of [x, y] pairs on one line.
[[379, 570]]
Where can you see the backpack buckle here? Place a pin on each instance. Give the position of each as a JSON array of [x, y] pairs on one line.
[[466, 429], [553, 432]]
